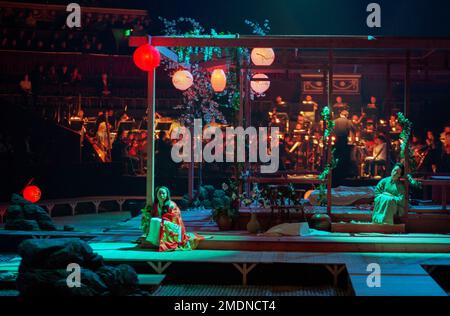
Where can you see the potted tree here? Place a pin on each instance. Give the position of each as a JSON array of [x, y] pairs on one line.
[[226, 206]]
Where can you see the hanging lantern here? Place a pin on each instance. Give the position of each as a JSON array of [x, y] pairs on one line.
[[146, 57], [182, 80], [260, 86], [32, 193], [218, 80], [262, 56]]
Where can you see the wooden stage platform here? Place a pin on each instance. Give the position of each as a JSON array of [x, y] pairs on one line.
[[401, 274], [118, 227], [406, 260]]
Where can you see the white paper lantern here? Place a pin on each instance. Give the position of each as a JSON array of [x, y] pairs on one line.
[[260, 86], [262, 56], [182, 80], [218, 80]]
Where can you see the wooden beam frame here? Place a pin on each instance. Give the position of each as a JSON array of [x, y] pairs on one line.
[[311, 42]]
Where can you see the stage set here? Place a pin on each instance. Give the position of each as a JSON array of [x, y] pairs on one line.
[[354, 200]]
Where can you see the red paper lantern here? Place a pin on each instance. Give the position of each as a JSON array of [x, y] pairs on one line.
[[32, 193], [146, 57]]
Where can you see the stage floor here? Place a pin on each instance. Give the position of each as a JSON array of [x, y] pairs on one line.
[[406, 260]]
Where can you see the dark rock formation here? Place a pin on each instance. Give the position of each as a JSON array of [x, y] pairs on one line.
[[44, 270], [24, 215]]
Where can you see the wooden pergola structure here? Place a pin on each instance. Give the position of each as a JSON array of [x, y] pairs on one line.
[[330, 44]]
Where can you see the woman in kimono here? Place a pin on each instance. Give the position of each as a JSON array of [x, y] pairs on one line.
[[172, 233], [389, 197]]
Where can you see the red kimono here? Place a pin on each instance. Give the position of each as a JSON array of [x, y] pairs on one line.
[[174, 237]]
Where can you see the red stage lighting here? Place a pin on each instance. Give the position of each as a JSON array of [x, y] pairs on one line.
[[32, 193], [146, 57]]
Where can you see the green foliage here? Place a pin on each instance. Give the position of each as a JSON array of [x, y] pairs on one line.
[[257, 29], [203, 194], [326, 116], [219, 194], [329, 123], [227, 200], [210, 189], [200, 101], [405, 145]]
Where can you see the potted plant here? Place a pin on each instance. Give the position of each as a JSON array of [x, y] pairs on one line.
[[226, 205], [223, 216]]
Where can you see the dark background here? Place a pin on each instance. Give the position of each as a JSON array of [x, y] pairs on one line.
[[300, 17]]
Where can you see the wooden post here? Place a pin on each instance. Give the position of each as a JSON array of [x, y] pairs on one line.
[[191, 167], [329, 148], [325, 101], [247, 122], [241, 99], [150, 138], [406, 110], [388, 94], [407, 90], [241, 110], [387, 112], [108, 138]]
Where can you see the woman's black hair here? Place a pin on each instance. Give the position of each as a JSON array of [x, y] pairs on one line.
[[166, 204], [402, 168]]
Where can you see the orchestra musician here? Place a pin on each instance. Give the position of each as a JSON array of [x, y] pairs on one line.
[[371, 111], [379, 155], [300, 124], [444, 165], [273, 117], [339, 106], [430, 156], [356, 121], [310, 105], [279, 102], [342, 129]]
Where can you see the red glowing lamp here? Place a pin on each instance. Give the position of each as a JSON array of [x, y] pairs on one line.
[[146, 57], [32, 193]]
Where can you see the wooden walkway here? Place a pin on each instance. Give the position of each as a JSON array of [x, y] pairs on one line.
[[395, 280], [401, 274], [404, 270], [330, 242]]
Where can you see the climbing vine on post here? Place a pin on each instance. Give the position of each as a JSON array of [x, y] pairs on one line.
[[405, 147], [326, 116]]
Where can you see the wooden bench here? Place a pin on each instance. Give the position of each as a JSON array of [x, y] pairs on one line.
[[367, 228], [443, 182]]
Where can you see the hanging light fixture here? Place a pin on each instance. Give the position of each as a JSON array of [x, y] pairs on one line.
[[218, 80], [262, 56], [182, 80], [260, 86], [146, 57]]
